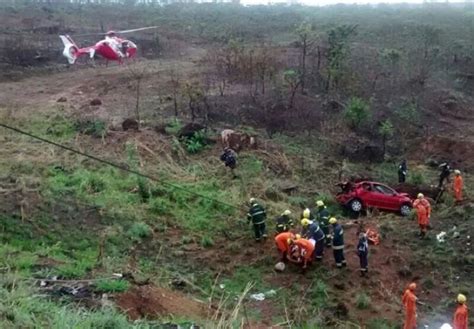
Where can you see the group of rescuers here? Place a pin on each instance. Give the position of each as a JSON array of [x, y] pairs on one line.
[[421, 204], [318, 231]]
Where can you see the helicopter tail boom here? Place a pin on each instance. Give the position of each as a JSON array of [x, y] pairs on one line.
[[70, 48]]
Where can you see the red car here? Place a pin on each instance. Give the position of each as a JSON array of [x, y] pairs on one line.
[[364, 195]]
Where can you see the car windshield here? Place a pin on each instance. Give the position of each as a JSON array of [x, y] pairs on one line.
[[383, 189]]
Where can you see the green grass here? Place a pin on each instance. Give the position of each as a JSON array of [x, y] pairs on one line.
[[363, 301], [242, 276], [112, 286], [22, 307], [207, 242], [380, 324], [139, 231]]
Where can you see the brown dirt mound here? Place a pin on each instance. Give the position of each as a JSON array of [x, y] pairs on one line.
[[459, 153], [151, 302]]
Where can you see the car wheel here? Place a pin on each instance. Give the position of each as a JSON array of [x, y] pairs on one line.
[[405, 210], [356, 205]]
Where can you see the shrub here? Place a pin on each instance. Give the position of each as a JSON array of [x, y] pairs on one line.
[[207, 241], [95, 128], [196, 143], [417, 178], [363, 301], [357, 112], [174, 126], [112, 285], [139, 231], [94, 184]]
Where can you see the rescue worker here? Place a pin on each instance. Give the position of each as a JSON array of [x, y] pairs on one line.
[[281, 241], [323, 219], [460, 319], [315, 235], [257, 216], [302, 253], [284, 222], [423, 212], [338, 243], [458, 186], [444, 174], [402, 171], [307, 213], [229, 157], [409, 303], [363, 252]]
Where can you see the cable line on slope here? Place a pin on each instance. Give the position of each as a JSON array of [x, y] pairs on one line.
[[112, 164]]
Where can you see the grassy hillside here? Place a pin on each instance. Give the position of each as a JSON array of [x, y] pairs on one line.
[[89, 245]]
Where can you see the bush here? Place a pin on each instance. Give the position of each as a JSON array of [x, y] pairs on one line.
[[196, 143], [207, 242], [174, 127], [95, 128], [112, 285], [363, 301], [139, 231], [417, 178], [357, 112]]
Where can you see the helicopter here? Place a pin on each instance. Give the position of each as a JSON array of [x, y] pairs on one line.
[[112, 47]]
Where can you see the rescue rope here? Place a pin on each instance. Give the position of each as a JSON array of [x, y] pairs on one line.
[[117, 166]]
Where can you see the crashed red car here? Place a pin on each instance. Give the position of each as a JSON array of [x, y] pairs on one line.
[[366, 195]]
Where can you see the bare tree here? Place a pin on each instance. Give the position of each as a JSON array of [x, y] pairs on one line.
[[136, 72]]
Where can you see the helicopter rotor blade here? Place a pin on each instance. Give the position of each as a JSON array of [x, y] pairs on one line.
[[135, 30], [88, 35]]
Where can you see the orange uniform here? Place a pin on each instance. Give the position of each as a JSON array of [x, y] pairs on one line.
[[281, 241], [460, 317], [457, 187], [409, 303], [423, 212], [306, 248]]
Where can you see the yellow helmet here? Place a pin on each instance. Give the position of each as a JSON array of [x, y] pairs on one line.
[[461, 299], [297, 236], [320, 203], [305, 222], [306, 213], [287, 212], [332, 220], [420, 196], [290, 241]]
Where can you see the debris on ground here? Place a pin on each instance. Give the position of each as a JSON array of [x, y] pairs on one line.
[[373, 236], [441, 237], [280, 267], [263, 295], [258, 297]]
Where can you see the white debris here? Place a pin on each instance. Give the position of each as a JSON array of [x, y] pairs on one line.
[[280, 267], [222, 286], [43, 283], [258, 297], [118, 275], [441, 236], [446, 326]]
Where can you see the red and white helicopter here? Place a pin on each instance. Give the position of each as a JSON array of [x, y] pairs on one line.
[[112, 48]]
